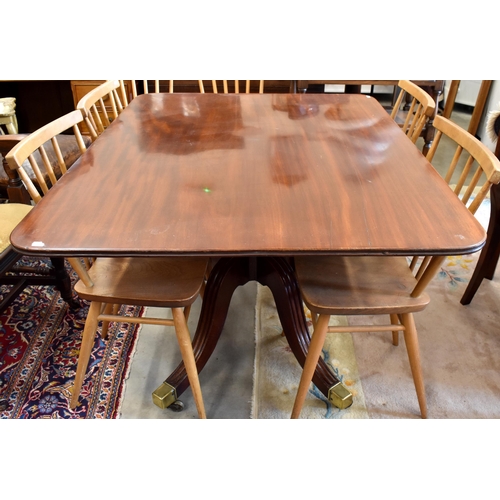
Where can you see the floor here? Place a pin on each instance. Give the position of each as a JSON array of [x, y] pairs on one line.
[[226, 380]]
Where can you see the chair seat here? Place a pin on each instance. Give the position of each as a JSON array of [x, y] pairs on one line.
[[358, 285], [11, 215], [148, 281]]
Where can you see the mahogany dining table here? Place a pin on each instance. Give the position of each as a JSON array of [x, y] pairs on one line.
[[251, 180]]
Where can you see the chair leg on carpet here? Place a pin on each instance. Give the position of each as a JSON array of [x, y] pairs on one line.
[[85, 350], [315, 346], [411, 340]]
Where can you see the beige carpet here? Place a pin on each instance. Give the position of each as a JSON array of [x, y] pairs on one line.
[[277, 372], [460, 350]]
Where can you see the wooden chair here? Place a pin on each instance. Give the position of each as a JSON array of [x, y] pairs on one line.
[[161, 282], [421, 109], [156, 87], [12, 213], [333, 285], [234, 86], [173, 283], [102, 105], [11, 186]]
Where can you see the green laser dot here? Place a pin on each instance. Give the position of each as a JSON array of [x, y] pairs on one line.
[[206, 190]]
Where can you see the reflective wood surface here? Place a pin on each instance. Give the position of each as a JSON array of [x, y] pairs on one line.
[[250, 175]]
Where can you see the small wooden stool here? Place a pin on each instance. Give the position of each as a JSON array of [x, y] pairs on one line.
[[8, 115]]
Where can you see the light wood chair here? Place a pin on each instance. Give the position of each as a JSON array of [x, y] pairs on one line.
[[108, 282], [35, 143], [359, 286], [173, 283], [156, 87], [10, 182], [102, 105], [421, 109], [234, 86], [227, 86], [12, 213]]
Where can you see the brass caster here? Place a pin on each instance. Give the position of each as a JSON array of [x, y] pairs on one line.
[[176, 406], [339, 396], [164, 396]]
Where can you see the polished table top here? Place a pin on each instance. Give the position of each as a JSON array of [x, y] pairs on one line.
[[250, 174]]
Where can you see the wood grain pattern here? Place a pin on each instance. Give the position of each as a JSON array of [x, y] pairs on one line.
[[251, 175]]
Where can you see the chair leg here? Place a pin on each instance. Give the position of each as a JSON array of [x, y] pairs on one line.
[[85, 350], [395, 335], [314, 319], [187, 310], [411, 341], [108, 309], [186, 347], [315, 347]]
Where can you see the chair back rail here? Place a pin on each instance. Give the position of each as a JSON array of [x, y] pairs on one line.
[[225, 86], [475, 154], [214, 86], [422, 108], [94, 110], [157, 87], [25, 148]]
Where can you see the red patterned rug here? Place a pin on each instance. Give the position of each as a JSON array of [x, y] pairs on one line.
[[39, 344]]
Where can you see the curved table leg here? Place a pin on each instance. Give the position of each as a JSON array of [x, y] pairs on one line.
[[277, 273], [486, 265], [229, 273], [63, 283]]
